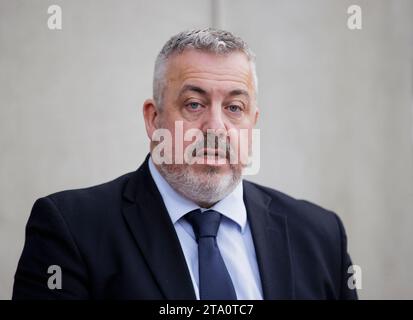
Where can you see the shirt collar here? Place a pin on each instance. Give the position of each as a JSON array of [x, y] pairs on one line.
[[232, 206]]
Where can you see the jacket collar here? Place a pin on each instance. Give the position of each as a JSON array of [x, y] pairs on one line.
[[152, 228], [269, 230]]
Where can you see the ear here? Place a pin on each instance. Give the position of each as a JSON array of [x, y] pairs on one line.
[[150, 115]]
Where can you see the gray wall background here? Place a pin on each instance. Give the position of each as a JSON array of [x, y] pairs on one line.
[[336, 110]]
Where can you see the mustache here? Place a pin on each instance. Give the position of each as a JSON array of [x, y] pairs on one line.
[[220, 143]]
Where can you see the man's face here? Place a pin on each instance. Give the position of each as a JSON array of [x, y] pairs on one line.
[[206, 91]]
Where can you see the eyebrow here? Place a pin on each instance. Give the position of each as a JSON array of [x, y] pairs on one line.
[[235, 92], [196, 89], [239, 92]]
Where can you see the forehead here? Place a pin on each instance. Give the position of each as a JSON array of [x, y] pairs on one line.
[[229, 71]]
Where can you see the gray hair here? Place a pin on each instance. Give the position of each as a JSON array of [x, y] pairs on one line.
[[208, 40]]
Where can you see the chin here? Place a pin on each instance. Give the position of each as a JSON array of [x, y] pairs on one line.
[[202, 183]]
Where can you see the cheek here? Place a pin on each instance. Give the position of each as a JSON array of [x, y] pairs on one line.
[[241, 141], [192, 134], [180, 130], [167, 120]]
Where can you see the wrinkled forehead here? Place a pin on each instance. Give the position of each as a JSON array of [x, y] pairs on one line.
[[214, 71]]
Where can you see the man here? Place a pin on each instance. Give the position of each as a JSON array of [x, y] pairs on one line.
[[182, 226]]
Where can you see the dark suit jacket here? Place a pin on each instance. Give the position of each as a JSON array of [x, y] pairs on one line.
[[116, 241]]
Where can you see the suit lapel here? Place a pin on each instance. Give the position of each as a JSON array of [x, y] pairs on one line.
[[270, 236], [150, 224]]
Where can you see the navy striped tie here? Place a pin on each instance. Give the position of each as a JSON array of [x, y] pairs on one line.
[[214, 280]]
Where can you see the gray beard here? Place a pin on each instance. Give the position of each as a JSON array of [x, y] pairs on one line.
[[204, 192]]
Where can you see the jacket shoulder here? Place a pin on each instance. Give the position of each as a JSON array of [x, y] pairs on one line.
[[89, 203], [89, 193], [302, 215]]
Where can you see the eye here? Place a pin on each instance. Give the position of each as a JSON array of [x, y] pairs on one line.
[[194, 106], [234, 108]]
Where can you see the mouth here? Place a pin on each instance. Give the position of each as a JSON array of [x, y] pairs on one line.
[[209, 152], [211, 156]]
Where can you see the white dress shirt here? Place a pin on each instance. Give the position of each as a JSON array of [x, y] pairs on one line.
[[234, 237]]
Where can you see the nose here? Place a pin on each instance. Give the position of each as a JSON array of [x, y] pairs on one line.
[[214, 119]]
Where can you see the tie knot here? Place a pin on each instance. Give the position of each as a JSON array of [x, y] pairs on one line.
[[204, 224]]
